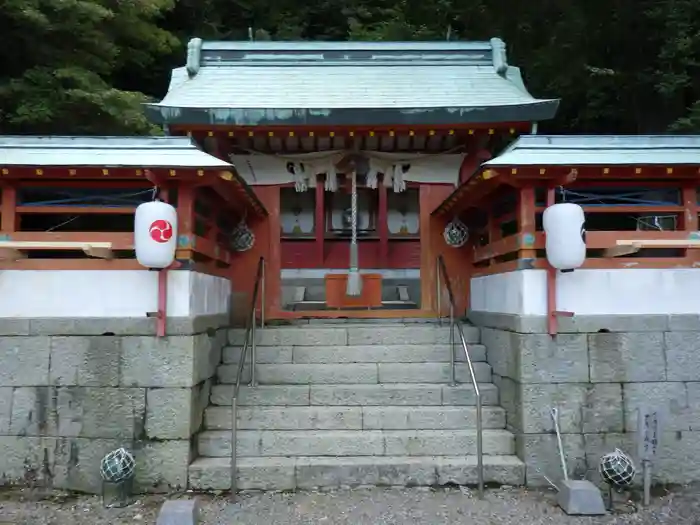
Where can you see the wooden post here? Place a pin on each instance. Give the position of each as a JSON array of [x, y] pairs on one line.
[[526, 219], [689, 220], [552, 324], [8, 207], [320, 222], [185, 217], [383, 224]]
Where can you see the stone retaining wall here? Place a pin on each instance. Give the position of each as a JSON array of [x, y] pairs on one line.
[[72, 390], [597, 372]]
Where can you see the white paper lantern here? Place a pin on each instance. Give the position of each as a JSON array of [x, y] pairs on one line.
[[565, 235], [155, 234]]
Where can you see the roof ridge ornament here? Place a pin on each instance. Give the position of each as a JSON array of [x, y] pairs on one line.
[[500, 61], [194, 56]]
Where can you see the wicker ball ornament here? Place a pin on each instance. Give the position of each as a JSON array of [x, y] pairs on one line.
[[117, 466], [242, 238], [617, 469], [456, 234]]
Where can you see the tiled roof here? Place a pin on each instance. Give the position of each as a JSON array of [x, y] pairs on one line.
[[254, 83], [600, 150], [137, 152]]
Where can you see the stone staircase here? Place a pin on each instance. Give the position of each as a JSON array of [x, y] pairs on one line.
[[354, 404]]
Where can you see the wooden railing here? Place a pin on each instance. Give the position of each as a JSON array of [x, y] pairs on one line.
[[63, 225], [510, 235]]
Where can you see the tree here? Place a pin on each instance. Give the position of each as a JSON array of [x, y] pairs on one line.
[[67, 58]]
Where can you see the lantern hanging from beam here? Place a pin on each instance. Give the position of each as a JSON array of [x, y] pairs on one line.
[[565, 235], [155, 234]]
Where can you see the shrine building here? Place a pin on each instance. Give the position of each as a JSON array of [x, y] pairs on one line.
[[298, 120], [380, 273]]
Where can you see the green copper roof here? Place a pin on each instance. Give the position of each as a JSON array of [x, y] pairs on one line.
[[600, 150], [116, 152], [347, 83]]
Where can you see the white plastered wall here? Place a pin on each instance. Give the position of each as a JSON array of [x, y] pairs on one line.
[[108, 293], [591, 292]]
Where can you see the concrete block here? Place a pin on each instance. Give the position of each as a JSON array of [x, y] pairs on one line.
[[446, 442], [217, 443], [461, 470], [582, 407], [583, 324], [627, 357], [387, 394], [293, 336], [27, 461], [13, 327], [684, 323], [671, 398], [171, 413], [201, 396], [510, 397], [281, 473], [322, 443], [179, 512], [252, 474], [262, 395], [406, 335], [286, 418], [385, 354], [34, 411], [161, 466], [541, 359], [207, 356], [25, 361], [79, 326], [464, 394], [77, 463], [682, 356], [337, 472], [85, 361], [431, 372], [541, 456], [5, 410], [499, 351], [357, 373], [263, 354], [158, 362], [90, 412], [426, 418]]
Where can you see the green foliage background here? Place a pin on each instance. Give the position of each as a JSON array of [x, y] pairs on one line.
[[85, 66]]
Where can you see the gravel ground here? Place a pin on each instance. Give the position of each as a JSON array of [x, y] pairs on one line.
[[506, 506]]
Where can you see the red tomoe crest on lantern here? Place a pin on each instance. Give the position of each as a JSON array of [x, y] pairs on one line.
[[161, 230]]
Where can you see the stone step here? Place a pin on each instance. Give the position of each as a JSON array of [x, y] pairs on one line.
[[353, 418], [280, 473], [390, 394], [250, 443], [356, 373], [437, 353], [344, 335]]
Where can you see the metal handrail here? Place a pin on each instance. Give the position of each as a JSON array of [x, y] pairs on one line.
[[455, 324], [250, 340]]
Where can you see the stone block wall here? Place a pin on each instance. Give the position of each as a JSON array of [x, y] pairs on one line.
[[72, 390], [597, 372]]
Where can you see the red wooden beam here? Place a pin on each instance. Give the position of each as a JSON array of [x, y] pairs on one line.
[[8, 207]]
